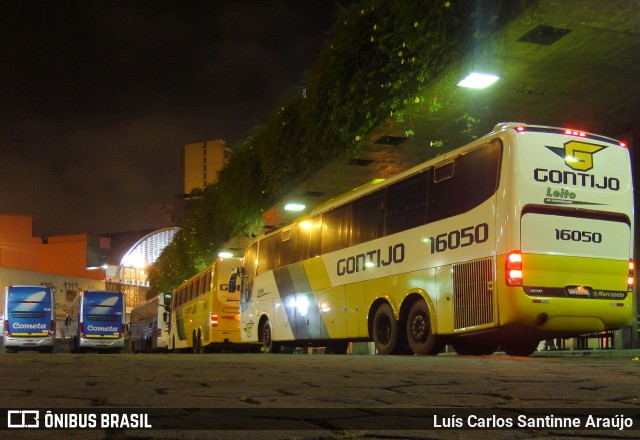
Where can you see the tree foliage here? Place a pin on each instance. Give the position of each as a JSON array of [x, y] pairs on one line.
[[379, 57]]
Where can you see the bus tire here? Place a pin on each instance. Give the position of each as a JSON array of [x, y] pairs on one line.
[[197, 343], [419, 335], [523, 347], [385, 330], [269, 345]]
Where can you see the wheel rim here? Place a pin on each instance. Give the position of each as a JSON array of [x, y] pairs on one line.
[[384, 330], [419, 328]]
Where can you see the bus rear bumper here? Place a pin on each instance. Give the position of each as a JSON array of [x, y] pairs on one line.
[[570, 316], [28, 342], [102, 344]]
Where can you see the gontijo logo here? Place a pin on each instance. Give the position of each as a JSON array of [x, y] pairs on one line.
[[577, 155]]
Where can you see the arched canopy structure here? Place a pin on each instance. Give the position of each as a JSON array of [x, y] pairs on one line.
[[132, 268]]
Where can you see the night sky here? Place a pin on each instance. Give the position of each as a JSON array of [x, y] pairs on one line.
[[98, 97]]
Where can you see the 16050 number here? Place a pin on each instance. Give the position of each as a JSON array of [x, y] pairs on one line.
[[575, 235], [460, 238]]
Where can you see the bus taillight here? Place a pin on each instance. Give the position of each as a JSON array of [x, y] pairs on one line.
[[81, 329], [214, 320], [6, 327], [631, 277], [513, 268], [52, 329]]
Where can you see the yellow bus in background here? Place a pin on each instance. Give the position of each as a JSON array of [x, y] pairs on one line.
[[205, 316], [523, 235]]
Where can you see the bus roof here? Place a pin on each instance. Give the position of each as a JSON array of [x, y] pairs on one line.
[[375, 184]]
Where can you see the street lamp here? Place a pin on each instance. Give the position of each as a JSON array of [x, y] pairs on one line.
[[476, 80], [294, 207]]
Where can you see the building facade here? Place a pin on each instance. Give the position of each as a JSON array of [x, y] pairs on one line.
[[201, 165], [59, 262]]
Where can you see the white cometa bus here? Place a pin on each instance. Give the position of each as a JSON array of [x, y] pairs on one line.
[[97, 321], [149, 325], [523, 235], [205, 316], [29, 318]]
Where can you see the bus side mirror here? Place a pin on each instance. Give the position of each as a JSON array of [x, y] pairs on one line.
[[165, 317], [233, 280], [67, 320]]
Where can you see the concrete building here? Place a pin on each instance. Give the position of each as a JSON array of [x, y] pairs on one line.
[[201, 165]]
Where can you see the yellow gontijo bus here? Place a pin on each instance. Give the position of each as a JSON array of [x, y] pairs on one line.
[[205, 316], [523, 235]]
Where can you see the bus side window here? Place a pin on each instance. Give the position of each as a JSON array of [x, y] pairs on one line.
[[267, 253], [336, 228], [207, 281], [406, 205], [479, 175], [443, 191], [368, 217], [287, 247], [315, 238], [250, 273]]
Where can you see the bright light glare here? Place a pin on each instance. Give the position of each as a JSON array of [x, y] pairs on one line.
[[225, 254], [299, 303], [477, 80], [294, 207], [134, 260]]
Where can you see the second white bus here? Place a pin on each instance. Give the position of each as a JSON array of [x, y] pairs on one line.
[[149, 325]]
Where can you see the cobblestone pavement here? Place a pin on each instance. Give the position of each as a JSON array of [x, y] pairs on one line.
[[324, 396]]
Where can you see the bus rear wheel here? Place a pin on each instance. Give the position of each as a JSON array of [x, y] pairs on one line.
[[269, 345], [419, 335], [385, 330], [197, 343]]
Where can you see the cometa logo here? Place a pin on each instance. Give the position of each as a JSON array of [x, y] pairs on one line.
[[24, 326], [577, 155], [100, 328]]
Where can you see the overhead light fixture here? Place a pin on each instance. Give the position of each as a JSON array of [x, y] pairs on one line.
[[294, 207], [477, 80]]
